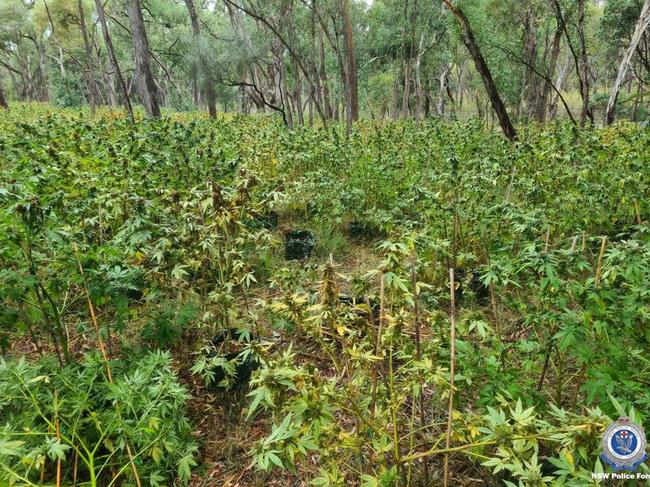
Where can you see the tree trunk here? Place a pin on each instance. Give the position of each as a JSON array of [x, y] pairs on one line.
[[584, 66], [579, 59], [406, 65], [460, 89], [562, 76], [330, 106], [529, 91], [242, 36], [444, 84], [543, 101], [479, 107], [638, 99], [61, 62], [93, 95], [109, 82], [113, 59], [482, 67], [318, 95], [3, 99], [195, 86], [208, 84], [289, 47], [327, 103], [282, 72], [641, 26], [427, 96], [145, 83], [297, 94], [406, 89], [43, 77], [417, 81], [342, 63], [352, 91], [395, 106]]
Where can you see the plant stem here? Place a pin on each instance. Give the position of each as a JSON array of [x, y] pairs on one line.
[[41, 301], [493, 300], [58, 461], [418, 351], [394, 406], [440, 451], [599, 268], [547, 358], [91, 308], [560, 378], [547, 239], [373, 393], [452, 371]]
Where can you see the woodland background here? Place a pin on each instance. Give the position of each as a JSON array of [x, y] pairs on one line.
[[326, 60]]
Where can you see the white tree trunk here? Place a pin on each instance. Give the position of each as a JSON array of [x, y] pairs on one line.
[[641, 26]]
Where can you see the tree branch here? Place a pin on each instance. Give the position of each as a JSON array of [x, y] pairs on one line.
[[516, 58]]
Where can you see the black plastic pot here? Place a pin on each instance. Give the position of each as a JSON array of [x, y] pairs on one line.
[[244, 365], [269, 221], [621, 231], [470, 280], [299, 244], [362, 231], [346, 299]]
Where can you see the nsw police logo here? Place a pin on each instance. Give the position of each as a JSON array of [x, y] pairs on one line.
[[624, 445]]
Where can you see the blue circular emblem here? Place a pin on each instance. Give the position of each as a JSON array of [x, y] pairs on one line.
[[624, 445], [623, 442]]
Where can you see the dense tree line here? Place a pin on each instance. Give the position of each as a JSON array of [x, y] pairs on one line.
[[505, 61]]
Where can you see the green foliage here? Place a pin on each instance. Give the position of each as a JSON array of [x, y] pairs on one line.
[[66, 91], [144, 410], [166, 325], [172, 224]]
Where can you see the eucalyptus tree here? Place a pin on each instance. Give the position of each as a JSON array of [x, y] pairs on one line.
[[583, 67], [89, 72], [23, 48], [407, 49], [639, 32], [550, 70], [208, 82], [351, 80], [113, 58], [145, 82], [481, 66], [289, 53], [578, 53]]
